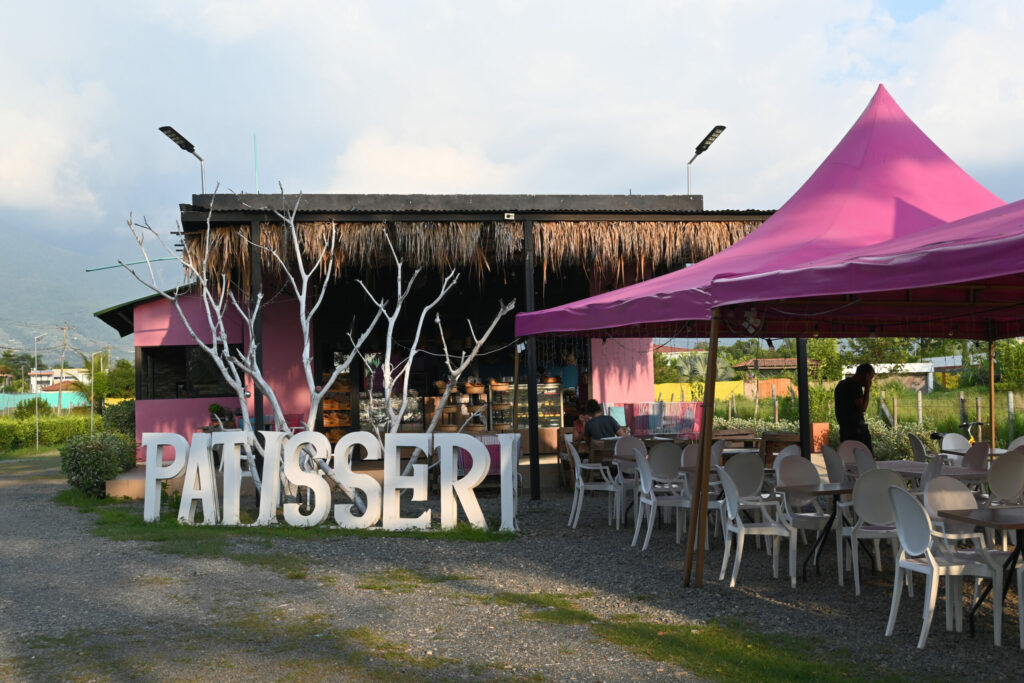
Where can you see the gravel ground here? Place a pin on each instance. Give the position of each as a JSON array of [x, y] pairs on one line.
[[74, 606]]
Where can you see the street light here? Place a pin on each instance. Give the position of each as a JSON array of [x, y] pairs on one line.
[[701, 148], [179, 139], [35, 370]]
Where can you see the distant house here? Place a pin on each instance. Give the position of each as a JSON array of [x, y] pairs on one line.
[[768, 366], [41, 379], [915, 376], [674, 353]]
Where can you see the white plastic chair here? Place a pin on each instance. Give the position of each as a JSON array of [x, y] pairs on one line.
[[865, 462], [931, 470], [625, 472], [920, 554], [846, 450], [976, 456], [1006, 479], [605, 483], [772, 523], [874, 520], [918, 448], [801, 512], [665, 459], [1015, 444], [955, 444], [834, 465], [653, 497]]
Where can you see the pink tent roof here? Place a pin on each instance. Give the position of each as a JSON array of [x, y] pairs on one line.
[[885, 179], [964, 279]]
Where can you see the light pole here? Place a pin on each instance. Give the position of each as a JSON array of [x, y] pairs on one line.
[[180, 141], [35, 369], [701, 148], [92, 387]]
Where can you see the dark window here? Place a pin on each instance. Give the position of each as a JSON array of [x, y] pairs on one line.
[[180, 372]]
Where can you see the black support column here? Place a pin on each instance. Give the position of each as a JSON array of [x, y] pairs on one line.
[[531, 363], [803, 398]]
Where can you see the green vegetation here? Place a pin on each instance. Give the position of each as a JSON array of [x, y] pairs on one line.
[[53, 431], [120, 418], [404, 580], [90, 460]]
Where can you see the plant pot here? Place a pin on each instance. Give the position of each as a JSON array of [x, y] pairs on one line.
[[819, 435]]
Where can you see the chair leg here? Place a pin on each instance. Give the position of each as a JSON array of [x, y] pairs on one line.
[[855, 552], [878, 555], [897, 593], [651, 515], [572, 510], [931, 590], [840, 567], [776, 547], [997, 607], [954, 594], [1020, 607], [579, 509], [739, 557], [725, 565], [679, 525], [792, 559], [638, 520]]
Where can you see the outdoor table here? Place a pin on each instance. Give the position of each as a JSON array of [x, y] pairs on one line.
[[911, 469], [822, 489], [729, 452], [1001, 519]]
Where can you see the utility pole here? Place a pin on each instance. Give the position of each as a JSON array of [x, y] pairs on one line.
[[63, 350]]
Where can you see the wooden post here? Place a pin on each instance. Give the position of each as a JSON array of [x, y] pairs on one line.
[[895, 410], [920, 412], [803, 398], [699, 512], [1009, 415], [992, 393], [729, 407]]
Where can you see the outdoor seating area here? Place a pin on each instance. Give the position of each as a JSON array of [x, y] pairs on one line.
[[889, 518]]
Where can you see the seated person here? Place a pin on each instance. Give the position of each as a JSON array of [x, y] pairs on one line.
[[600, 426]]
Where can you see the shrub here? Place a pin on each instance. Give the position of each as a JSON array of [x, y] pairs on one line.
[[889, 443], [26, 410], [53, 430], [88, 461], [759, 427], [120, 418]]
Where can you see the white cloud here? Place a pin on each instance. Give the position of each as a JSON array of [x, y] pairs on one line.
[[377, 163]]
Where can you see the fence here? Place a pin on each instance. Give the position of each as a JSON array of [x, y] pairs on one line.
[[678, 419]]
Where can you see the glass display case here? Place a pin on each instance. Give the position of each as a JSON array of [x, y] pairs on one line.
[[500, 399], [336, 408], [549, 404], [413, 411]]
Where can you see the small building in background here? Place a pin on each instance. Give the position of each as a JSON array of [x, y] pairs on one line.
[[914, 376]]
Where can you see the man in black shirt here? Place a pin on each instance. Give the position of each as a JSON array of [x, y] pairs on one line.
[[852, 395], [600, 426]]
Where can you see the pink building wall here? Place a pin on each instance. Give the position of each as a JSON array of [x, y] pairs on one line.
[[622, 370], [157, 323]]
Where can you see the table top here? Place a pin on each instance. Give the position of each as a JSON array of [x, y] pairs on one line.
[[963, 451], [993, 518], [913, 468], [737, 451], [822, 489]]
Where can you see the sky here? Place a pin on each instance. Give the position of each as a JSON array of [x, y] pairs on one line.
[[582, 97]]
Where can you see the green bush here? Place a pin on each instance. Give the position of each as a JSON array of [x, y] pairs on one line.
[[26, 410], [53, 431], [890, 443], [120, 418], [88, 461], [759, 427]]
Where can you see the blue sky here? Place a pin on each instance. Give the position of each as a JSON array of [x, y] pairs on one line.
[[535, 97]]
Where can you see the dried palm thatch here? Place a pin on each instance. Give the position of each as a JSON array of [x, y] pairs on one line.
[[477, 246]]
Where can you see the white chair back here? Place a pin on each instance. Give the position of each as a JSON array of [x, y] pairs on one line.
[[947, 493], [716, 452], [833, 465], [846, 450], [691, 455], [747, 473], [865, 463], [913, 527], [954, 441], [871, 496], [732, 498], [931, 470], [797, 471], [791, 449], [1016, 443], [976, 456], [665, 460], [1006, 478], [643, 471], [576, 462], [917, 447], [625, 445]]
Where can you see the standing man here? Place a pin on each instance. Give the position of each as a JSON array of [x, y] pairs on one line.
[[852, 396]]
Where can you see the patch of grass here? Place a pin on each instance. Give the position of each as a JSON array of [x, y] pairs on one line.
[[28, 452], [554, 609], [288, 566], [403, 580]]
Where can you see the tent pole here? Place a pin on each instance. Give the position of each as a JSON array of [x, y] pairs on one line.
[[992, 393], [698, 526], [803, 398]]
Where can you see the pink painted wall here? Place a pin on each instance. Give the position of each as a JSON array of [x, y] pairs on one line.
[[157, 324], [622, 370]]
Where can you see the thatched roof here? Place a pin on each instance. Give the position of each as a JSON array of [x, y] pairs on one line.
[[613, 234]]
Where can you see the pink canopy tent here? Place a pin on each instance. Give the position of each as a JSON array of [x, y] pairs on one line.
[[885, 179]]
